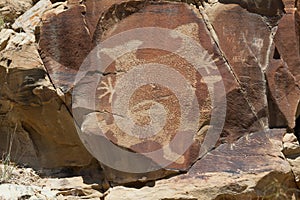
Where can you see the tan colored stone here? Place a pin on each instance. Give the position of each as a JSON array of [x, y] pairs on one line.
[[295, 163], [33, 115], [24, 183], [10, 10], [291, 150], [212, 186], [290, 145], [71, 187], [32, 17], [14, 191], [5, 35]]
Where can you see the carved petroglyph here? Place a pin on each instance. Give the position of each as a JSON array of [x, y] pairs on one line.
[[155, 88], [114, 52], [109, 89], [144, 113]]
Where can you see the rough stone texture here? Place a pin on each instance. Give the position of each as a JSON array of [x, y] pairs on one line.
[[50, 188], [31, 18], [284, 94], [32, 114], [242, 66], [63, 50], [263, 7], [246, 154], [71, 187], [250, 41], [283, 74], [125, 63], [192, 21], [6, 34], [143, 57], [208, 187], [58, 40], [290, 145], [251, 168], [291, 150], [99, 12], [256, 53], [12, 191], [11, 9]]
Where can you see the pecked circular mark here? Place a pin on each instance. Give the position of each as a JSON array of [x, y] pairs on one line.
[[134, 79], [89, 76]]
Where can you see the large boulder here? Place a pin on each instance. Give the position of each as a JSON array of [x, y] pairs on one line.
[[36, 125], [240, 45], [245, 89]]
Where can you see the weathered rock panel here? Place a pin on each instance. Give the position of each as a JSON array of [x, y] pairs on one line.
[[263, 7], [242, 172], [283, 72], [159, 96], [245, 40], [35, 119]]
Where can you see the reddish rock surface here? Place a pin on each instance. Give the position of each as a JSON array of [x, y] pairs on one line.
[[152, 94], [63, 49], [284, 95], [283, 73], [248, 154], [242, 172], [238, 106], [250, 41], [287, 41], [210, 111], [240, 44]]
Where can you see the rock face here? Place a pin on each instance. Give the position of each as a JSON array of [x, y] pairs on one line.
[[10, 10], [153, 89], [264, 7], [156, 97], [37, 121], [250, 168], [249, 53], [31, 18], [283, 72]]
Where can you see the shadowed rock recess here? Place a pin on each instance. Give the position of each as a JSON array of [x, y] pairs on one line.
[[229, 131]]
